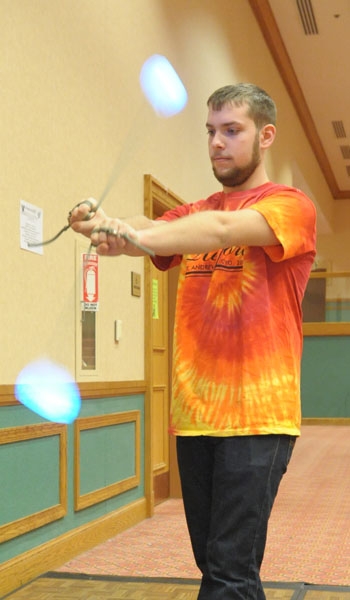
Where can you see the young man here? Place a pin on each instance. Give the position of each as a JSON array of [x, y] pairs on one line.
[[245, 253]]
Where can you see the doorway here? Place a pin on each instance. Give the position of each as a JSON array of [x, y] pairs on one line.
[[160, 295]]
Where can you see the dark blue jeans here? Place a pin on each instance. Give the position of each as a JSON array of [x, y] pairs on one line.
[[229, 485]]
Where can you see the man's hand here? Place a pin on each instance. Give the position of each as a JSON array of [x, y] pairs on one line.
[[114, 237], [84, 217], [111, 237]]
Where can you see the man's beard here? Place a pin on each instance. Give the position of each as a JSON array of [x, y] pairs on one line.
[[239, 175]]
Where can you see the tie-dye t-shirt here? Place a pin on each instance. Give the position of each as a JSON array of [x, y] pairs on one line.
[[238, 325]]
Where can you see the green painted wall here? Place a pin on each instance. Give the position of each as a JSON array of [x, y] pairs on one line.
[[29, 470], [325, 377]]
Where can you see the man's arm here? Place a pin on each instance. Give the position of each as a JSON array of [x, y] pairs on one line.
[[198, 232], [195, 233], [209, 230]]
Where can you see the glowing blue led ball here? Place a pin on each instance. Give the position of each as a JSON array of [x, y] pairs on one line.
[[48, 390], [162, 86]]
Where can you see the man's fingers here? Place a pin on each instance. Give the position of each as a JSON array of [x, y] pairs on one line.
[[104, 234], [112, 241], [79, 210]]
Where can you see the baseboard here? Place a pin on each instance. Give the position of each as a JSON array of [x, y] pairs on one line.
[[49, 556]]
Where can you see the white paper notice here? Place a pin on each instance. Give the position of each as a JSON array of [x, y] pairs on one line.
[[31, 226]]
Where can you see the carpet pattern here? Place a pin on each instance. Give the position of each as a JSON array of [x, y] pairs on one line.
[[309, 533]]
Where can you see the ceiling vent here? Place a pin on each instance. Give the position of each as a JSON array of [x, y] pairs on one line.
[[345, 150], [307, 17], [339, 129]]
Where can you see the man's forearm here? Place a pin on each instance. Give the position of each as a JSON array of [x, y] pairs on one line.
[[195, 233], [139, 222], [209, 230]]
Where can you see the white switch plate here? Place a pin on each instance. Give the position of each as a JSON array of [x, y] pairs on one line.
[[117, 330]]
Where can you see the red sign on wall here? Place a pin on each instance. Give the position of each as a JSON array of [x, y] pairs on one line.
[[90, 281]]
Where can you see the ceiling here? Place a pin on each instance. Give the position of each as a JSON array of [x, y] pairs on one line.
[[310, 43]]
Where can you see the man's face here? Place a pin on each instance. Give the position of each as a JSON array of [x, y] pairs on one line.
[[234, 148]]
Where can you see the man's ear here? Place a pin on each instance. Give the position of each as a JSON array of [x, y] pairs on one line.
[[267, 135]]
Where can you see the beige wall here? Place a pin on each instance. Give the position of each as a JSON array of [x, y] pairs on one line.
[[70, 105]]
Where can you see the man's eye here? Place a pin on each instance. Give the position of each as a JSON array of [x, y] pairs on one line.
[[210, 132], [232, 131]]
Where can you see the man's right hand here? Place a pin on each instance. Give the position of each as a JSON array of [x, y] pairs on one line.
[[84, 217]]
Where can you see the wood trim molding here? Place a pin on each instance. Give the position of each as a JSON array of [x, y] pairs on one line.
[[329, 274], [7, 395], [326, 329], [82, 501], [334, 421], [88, 390], [23, 525], [108, 389], [269, 29], [158, 198]]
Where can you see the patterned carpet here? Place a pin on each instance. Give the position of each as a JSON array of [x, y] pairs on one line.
[[309, 533]]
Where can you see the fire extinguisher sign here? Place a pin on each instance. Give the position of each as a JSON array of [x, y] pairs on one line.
[[90, 281]]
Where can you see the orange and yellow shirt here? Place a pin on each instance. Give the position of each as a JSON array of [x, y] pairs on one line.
[[238, 325]]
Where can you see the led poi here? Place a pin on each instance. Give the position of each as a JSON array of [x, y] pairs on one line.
[[162, 86], [48, 390]]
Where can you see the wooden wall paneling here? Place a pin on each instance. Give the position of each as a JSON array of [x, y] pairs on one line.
[[33, 521], [82, 501]]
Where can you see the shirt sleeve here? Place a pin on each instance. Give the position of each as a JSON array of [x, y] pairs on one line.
[[292, 217]]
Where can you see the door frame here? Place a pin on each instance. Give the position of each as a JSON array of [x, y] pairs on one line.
[[157, 200]]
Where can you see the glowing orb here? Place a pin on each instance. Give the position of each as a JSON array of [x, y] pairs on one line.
[[48, 390], [162, 86]]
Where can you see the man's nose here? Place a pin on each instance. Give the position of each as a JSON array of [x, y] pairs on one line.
[[217, 140]]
